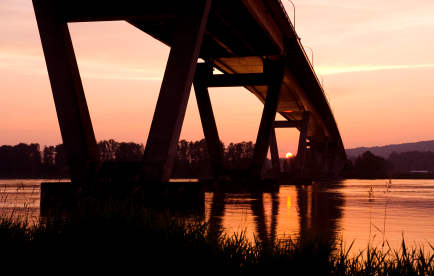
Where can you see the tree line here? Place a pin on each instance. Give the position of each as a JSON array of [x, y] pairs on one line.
[[370, 166], [412, 161], [191, 160], [29, 161]]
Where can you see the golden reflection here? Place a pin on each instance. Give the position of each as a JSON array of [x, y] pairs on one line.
[[288, 222], [267, 202], [263, 214]]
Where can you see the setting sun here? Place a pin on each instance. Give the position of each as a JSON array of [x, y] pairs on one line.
[[288, 155]]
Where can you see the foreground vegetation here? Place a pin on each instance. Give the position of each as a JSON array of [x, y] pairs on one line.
[[132, 237]]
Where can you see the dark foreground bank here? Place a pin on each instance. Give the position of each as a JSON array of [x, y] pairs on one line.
[[131, 237]]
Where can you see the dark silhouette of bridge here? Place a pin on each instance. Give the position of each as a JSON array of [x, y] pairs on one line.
[[252, 42]]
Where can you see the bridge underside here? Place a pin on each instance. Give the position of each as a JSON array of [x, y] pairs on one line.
[[252, 42]]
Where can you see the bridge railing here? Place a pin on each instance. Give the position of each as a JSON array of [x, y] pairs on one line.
[[287, 16], [311, 65], [304, 52]]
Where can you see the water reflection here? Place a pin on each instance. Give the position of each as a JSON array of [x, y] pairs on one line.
[[294, 210], [20, 199], [320, 210], [340, 209], [264, 209]]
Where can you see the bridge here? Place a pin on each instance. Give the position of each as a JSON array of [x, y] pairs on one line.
[[252, 42]]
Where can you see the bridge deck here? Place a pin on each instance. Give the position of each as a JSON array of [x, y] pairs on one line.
[[239, 35]]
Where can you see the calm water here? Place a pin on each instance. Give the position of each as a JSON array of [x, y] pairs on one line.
[[343, 209]]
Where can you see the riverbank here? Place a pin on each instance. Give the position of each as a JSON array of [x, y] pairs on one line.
[[411, 176], [130, 236]]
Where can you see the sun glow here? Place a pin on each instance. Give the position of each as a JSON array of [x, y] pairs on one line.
[[288, 155]]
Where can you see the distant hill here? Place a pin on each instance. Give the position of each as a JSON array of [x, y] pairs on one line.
[[384, 151]]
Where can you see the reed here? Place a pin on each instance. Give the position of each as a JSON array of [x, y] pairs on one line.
[[374, 261]]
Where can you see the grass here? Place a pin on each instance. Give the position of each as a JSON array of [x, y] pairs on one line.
[[129, 237]]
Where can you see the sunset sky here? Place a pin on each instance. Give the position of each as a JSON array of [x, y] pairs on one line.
[[376, 59]]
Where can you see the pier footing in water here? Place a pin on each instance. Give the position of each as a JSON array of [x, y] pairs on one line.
[[174, 195]]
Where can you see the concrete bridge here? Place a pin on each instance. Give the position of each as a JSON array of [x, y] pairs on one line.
[[251, 41]]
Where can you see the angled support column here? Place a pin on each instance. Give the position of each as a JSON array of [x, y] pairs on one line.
[[274, 153], [299, 163], [324, 156], [215, 151], [274, 70], [72, 111], [172, 102]]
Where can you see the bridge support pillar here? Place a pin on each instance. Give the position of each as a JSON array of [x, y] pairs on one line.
[[172, 102], [335, 165], [315, 163], [69, 99], [331, 166], [274, 70], [324, 157], [215, 151], [299, 163], [274, 153]]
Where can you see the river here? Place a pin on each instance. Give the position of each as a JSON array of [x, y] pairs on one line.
[[343, 209]]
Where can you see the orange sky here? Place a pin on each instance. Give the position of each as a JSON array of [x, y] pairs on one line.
[[375, 57]]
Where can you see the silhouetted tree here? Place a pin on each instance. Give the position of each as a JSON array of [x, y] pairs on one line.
[[181, 166], [107, 150], [129, 152], [199, 159], [368, 166], [20, 161], [110, 150], [48, 155], [60, 162], [239, 155], [192, 160], [6, 165]]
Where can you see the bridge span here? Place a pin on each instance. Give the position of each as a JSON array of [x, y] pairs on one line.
[[252, 42]]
